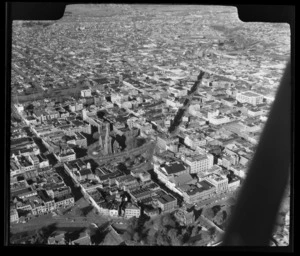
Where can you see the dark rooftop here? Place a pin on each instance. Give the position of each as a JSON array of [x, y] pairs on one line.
[[174, 168]]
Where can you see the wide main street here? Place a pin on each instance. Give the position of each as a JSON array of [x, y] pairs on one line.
[[218, 199]]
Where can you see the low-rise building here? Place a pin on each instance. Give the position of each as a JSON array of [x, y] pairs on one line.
[[249, 97], [14, 216], [233, 183], [144, 176], [65, 155], [57, 239], [23, 193], [255, 112], [184, 217], [59, 191], [84, 174], [132, 210], [218, 120], [220, 182], [26, 163], [166, 202], [164, 142], [84, 239], [86, 93], [151, 212], [141, 193], [199, 192], [230, 102], [167, 172], [103, 208], [127, 182]]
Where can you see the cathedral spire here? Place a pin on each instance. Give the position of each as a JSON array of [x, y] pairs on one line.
[[107, 141], [100, 137]]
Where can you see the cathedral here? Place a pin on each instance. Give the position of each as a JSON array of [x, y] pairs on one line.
[[109, 145]]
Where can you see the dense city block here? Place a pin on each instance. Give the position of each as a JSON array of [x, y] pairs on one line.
[[137, 124]]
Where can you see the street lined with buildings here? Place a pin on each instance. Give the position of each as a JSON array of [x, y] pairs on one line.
[[138, 112]]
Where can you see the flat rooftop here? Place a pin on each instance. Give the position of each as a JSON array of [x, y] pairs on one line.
[[203, 185], [215, 177], [196, 157], [250, 94], [24, 140], [77, 123], [164, 199], [174, 168]]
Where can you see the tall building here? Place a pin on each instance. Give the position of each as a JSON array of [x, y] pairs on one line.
[[84, 114], [199, 163]]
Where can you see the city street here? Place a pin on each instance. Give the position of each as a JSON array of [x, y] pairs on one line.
[[207, 223], [218, 199], [184, 90]]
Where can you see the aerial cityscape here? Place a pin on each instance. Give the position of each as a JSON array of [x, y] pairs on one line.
[[136, 124]]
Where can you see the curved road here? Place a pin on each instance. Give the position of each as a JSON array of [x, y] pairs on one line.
[[210, 223]]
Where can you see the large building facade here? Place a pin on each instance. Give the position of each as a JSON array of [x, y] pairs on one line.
[[249, 97], [199, 163]]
